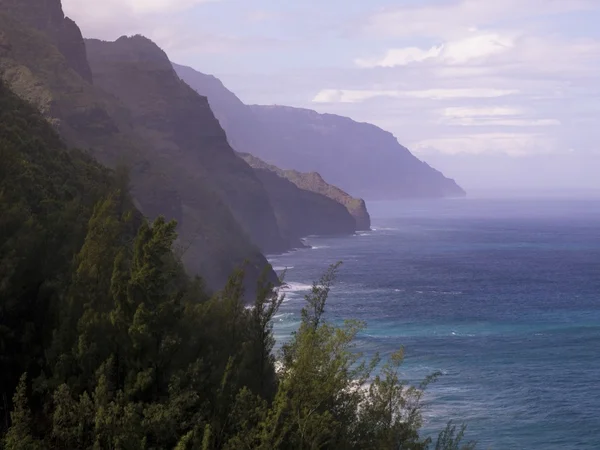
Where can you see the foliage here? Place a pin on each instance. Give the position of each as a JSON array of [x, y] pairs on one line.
[[122, 350]]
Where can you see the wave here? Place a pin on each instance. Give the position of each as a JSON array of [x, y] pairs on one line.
[[282, 268], [296, 287]]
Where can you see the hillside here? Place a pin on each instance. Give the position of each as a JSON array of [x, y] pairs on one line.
[[47, 196], [314, 183], [212, 242], [359, 158], [181, 126], [107, 344]]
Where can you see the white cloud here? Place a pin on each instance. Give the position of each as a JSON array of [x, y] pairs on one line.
[[401, 57], [487, 122], [513, 144], [357, 96], [460, 51], [465, 111], [442, 94], [492, 117]]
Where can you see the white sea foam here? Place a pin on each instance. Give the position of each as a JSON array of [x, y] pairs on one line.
[[297, 287], [282, 268]]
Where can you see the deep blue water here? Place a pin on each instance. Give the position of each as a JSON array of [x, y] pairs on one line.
[[502, 296]]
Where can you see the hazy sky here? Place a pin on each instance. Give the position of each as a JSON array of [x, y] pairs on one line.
[[492, 92]]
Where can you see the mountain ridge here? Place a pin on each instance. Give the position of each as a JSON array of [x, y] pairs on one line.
[[212, 242], [360, 158]]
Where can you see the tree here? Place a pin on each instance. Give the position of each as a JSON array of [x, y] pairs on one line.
[[20, 434]]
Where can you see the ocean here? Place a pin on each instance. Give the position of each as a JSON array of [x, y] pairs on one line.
[[501, 296]]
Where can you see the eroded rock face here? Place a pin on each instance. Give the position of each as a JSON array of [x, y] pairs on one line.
[[47, 16]]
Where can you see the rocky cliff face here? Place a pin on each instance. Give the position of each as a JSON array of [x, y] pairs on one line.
[[181, 123], [212, 242], [47, 16], [300, 212], [360, 158], [313, 182]]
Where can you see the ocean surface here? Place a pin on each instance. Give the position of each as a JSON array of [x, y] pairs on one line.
[[501, 296]]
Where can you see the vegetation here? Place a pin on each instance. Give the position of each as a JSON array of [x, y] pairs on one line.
[[107, 344], [212, 241]]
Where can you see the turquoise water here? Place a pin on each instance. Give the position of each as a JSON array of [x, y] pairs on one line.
[[502, 296]]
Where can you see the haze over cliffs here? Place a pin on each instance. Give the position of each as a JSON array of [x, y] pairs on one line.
[[124, 103], [213, 242], [359, 158]]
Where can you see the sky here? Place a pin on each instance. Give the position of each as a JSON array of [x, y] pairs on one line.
[[495, 93]]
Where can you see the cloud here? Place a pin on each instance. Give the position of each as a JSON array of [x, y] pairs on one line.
[[488, 122], [450, 18], [513, 144], [357, 96], [110, 19], [462, 112], [460, 51], [492, 117]]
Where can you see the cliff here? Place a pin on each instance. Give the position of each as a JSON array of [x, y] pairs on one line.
[[47, 16], [181, 124], [360, 158], [301, 212], [313, 182], [33, 65]]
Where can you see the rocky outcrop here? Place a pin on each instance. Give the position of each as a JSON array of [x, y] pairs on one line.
[[313, 182], [360, 158], [303, 213], [212, 242]]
